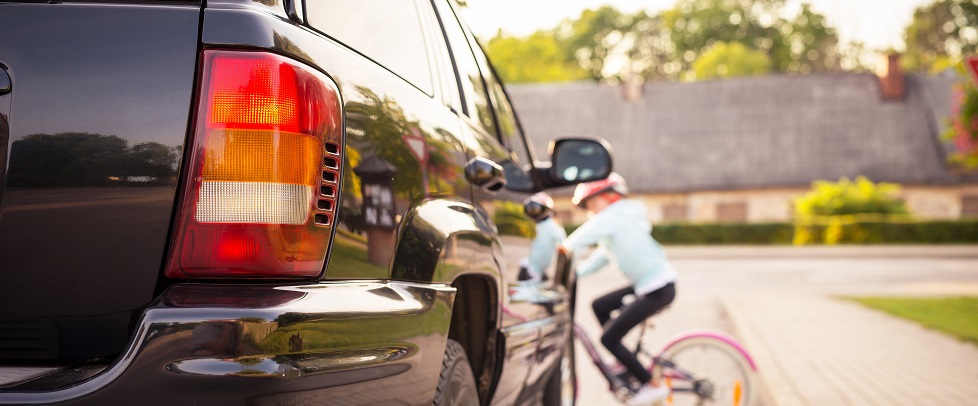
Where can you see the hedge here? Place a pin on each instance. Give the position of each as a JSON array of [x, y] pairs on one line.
[[888, 232], [829, 231], [762, 233]]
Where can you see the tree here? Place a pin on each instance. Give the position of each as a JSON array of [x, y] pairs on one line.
[[591, 39], [729, 60], [535, 58], [800, 44], [810, 44], [610, 45], [939, 34]]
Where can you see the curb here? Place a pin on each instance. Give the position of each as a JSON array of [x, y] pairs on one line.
[[774, 388]]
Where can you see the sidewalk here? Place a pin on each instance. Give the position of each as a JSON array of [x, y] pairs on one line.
[[820, 251], [817, 350]]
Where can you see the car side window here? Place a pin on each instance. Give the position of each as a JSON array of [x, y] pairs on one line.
[[474, 95], [510, 133], [387, 31]]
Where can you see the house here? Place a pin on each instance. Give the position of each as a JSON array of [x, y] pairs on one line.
[[739, 150]]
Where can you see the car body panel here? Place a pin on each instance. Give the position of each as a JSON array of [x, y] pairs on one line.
[[409, 228], [96, 131], [273, 344]]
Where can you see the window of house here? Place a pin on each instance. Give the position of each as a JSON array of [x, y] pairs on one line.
[[674, 213], [735, 212], [387, 31], [969, 206]]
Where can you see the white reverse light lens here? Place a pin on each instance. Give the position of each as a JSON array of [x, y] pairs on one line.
[[253, 202]]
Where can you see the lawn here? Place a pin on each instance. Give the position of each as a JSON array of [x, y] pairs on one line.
[[957, 316]]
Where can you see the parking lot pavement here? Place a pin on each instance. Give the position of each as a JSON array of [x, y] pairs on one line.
[[817, 350]]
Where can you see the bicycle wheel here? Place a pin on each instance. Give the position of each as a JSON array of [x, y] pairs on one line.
[[706, 370]]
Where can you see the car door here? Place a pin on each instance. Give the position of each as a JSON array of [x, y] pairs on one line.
[[535, 312]]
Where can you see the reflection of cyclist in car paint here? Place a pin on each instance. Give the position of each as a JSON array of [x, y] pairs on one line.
[[549, 235], [623, 234]]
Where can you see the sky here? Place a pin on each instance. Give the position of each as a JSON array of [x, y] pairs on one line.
[[879, 24]]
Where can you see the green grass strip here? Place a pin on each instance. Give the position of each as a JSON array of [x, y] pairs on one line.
[[957, 316]]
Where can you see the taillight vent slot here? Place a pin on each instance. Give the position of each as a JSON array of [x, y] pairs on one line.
[[253, 204], [326, 207]]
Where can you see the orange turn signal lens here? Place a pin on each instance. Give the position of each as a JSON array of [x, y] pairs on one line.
[[252, 206]]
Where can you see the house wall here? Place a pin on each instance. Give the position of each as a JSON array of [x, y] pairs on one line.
[[773, 205]]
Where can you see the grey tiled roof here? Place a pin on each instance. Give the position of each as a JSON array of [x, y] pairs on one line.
[[759, 132]]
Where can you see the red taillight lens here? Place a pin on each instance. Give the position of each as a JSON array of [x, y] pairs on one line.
[[264, 169]]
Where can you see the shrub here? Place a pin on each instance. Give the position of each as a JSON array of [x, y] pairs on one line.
[[510, 220], [846, 197]]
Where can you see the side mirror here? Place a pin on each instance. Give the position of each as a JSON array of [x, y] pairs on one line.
[[485, 174], [576, 160]]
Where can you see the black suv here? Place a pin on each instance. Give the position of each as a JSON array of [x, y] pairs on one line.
[[270, 202]]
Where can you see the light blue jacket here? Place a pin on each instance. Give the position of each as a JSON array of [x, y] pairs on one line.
[[623, 234], [544, 246]]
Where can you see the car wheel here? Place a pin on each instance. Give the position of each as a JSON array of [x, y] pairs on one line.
[[456, 385], [561, 389]]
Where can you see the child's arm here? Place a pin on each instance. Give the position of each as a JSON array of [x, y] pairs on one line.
[[589, 233], [593, 263]]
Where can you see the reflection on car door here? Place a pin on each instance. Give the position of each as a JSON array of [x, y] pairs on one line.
[[535, 318]]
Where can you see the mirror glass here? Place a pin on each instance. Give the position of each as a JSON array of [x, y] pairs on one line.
[[580, 161]]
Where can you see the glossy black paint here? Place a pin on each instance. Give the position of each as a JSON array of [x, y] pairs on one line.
[[4, 82], [229, 345], [96, 132], [410, 229]]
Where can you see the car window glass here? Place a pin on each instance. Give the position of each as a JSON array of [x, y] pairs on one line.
[[517, 170], [476, 100], [445, 77], [511, 137], [387, 31]]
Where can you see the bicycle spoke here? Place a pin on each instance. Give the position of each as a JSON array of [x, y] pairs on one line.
[[715, 374]]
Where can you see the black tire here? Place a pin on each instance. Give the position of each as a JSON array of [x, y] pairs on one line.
[[561, 388], [456, 385]]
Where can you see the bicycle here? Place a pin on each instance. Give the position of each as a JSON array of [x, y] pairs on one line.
[[689, 364]]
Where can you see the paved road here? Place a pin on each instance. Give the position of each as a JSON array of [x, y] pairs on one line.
[[710, 277]]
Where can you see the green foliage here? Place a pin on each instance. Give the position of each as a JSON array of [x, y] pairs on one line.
[[610, 45], [510, 220], [387, 124], [849, 197], [536, 58], [962, 129], [883, 230], [957, 316], [729, 60], [940, 33], [865, 230], [592, 37], [719, 234]]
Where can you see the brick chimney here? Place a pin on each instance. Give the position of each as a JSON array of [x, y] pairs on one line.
[[892, 86], [631, 88]]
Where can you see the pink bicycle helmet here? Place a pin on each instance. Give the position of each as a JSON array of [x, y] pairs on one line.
[[613, 183]]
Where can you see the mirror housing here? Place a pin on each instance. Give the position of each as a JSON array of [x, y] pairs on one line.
[[575, 160], [485, 174]]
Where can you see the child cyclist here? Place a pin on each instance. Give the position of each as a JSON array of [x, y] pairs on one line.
[[623, 234], [549, 235]]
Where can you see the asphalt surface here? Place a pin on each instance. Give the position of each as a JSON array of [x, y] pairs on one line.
[[713, 277]]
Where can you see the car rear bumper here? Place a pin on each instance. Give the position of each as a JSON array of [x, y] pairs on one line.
[[349, 342]]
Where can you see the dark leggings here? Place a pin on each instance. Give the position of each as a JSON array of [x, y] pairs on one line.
[[629, 317]]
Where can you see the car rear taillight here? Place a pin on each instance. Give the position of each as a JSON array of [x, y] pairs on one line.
[[259, 201]]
